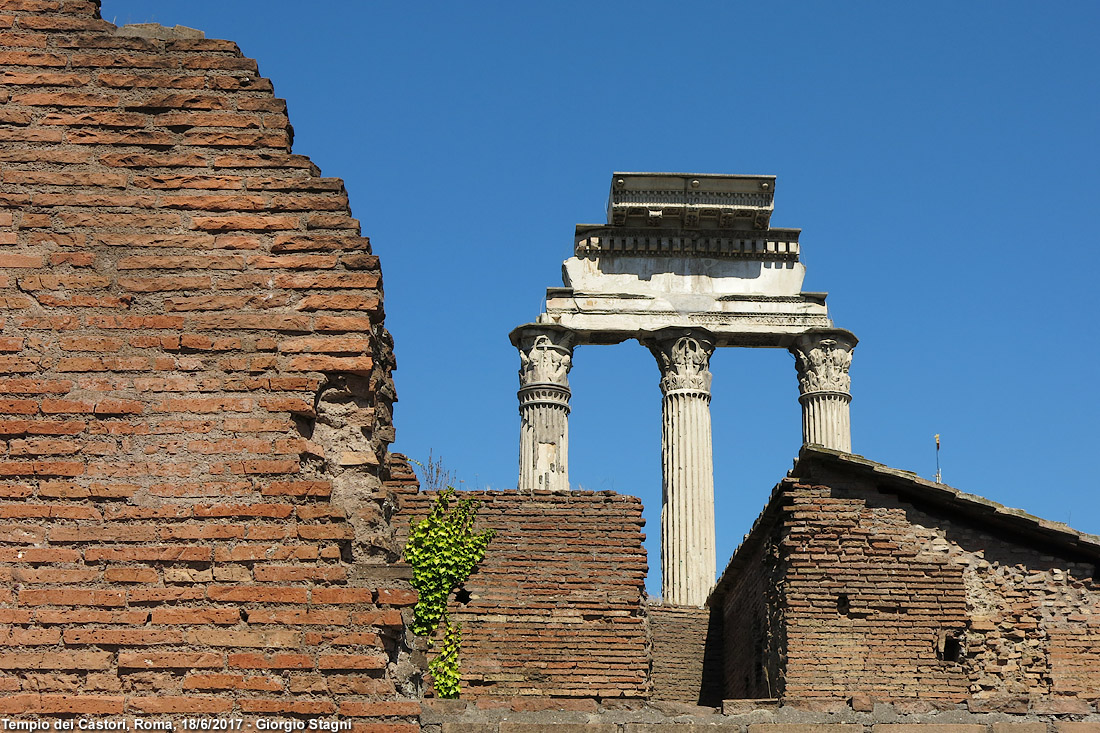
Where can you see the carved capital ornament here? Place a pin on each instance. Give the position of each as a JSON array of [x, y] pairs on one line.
[[545, 358], [822, 361], [684, 362]]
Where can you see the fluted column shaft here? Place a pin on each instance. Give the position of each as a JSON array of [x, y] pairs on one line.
[[688, 560], [823, 358], [546, 356]]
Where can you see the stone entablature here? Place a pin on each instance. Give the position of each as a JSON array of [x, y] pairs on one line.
[[600, 239], [691, 200]]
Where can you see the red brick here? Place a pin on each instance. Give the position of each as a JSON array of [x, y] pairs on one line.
[[232, 682], [38, 555], [122, 637], [163, 553], [350, 364], [67, 576], [272, 661], [164, 595], [343, 595], [287, 706], [29, 58], [20, 260], [351, 661], [70, 597], [222, 616], [274, 511], [397, 597], [388, 708], [245, 223], [84, 616], [258, 594], [29, 637], [131, 575], [173, 660], [47, 704], [178, 704], [377, 618], [55, 660], [340, 302], [298, 617]]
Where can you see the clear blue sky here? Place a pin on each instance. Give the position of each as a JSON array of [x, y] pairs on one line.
[[941, 158]]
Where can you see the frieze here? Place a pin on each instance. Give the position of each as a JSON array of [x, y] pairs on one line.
[[652, 243]]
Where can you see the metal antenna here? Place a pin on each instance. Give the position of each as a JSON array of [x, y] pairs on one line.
[[939, 476]]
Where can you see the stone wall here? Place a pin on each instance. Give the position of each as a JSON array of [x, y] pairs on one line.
[[195, 392], [556, 606], [527, 715]]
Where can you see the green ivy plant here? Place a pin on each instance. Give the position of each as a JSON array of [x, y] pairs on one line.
[[443, 550]]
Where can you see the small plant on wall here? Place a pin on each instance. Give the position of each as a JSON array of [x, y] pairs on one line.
[[443, 550]]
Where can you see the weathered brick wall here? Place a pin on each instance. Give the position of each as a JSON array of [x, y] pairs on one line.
[[555, 608], [685, 654], [867, 602], [889, 593], [195, 392], [752, 614]]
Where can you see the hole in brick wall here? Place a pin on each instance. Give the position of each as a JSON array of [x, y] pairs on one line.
[[244, 615], [843, 604], [304, 425], [346, 554], [462, 596], [950, 648]]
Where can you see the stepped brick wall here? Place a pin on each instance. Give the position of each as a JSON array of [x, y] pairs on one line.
[[888, 595], [686, 654], [751, 609], [195, 393], [555, 608]]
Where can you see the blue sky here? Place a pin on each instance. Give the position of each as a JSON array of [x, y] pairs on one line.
[[941, 159]]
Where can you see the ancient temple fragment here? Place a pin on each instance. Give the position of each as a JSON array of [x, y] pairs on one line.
[[685, 263]]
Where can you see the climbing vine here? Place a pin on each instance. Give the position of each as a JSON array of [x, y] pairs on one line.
[[443, 550]]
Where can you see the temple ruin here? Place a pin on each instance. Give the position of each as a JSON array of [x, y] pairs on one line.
[[201, 518], [686, 263]]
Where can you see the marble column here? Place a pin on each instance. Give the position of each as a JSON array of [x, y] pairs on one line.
[[687, 512], [822, 357], [546, 355]]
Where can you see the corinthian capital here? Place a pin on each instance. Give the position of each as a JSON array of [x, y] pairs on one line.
[[684, 360], [545, 355], [822, 358]]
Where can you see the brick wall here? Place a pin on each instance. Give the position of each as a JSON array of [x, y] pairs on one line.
[[867, 602], [556, 606], [195, 393], [685, 654], [752, 612], [896, 589]]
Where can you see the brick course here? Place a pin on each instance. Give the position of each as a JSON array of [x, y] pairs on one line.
[[195, 392]]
